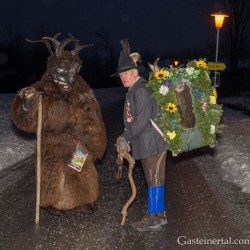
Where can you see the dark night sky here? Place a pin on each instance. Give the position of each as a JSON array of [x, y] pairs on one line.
[[158, 25]]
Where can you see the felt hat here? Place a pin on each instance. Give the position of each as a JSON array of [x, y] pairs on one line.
[[127, 61]]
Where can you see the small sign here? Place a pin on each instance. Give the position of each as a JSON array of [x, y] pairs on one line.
[[216, 66], [78, 160]]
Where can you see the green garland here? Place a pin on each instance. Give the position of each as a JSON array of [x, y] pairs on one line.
[[207, 112]]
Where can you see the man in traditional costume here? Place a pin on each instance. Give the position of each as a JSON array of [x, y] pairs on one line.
[[142, 138]]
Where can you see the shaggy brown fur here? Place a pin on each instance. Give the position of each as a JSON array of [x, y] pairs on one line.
[[69, 118]]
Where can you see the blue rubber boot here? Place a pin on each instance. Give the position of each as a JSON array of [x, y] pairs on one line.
[[153, 199], [161, 206]]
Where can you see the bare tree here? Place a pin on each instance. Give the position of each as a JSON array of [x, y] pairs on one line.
[[239, 23], [105, 43], [15, 38]]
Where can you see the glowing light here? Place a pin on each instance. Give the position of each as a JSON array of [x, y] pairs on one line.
[[219, 19]]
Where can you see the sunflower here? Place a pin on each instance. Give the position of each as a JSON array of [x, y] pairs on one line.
[[201, 63], [161, 74], [171, 107]]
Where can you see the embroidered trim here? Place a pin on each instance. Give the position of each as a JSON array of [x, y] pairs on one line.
[[128, 116]]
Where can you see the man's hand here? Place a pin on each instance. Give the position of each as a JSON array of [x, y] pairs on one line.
[[122, 144]]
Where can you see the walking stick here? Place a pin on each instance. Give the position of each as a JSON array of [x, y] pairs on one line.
[[38, 157], [131, 160]]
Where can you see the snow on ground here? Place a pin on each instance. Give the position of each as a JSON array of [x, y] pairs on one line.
[[233, 152], [14, 147], [240, 101], [231, 155]]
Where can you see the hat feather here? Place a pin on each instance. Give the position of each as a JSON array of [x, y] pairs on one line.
[[154, 67], [125, 45], [136, 57]]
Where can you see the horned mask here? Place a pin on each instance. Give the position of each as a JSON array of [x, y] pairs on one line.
[[63, 65]]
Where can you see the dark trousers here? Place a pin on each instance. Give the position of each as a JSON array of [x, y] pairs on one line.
[[154, 169]]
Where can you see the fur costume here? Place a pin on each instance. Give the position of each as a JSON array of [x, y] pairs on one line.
[[71, 118]]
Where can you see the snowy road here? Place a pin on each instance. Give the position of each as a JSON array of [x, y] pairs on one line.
[[194, 209]]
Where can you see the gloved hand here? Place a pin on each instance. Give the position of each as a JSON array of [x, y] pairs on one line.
[[29, 95], [122, 144]]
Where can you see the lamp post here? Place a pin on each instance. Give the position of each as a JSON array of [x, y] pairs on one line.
[[219, 19]]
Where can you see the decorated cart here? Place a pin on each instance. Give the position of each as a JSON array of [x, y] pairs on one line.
[[190, 115]]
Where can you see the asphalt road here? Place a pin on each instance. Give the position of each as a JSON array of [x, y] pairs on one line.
[[195, 213]]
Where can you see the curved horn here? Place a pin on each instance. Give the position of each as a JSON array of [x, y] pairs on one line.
[[46, 43], [154, 67], [71, 35], [57, 35], [63, 44], [80, 47], [76, 43], [53, 40]]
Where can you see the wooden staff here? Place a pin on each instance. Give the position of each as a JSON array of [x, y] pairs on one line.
[[38, 157], [131, 160]]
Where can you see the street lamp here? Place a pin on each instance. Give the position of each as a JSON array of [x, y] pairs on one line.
[[176, 63], [219, 19]]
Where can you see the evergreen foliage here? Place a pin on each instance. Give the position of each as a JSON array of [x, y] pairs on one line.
[[204, 103]]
